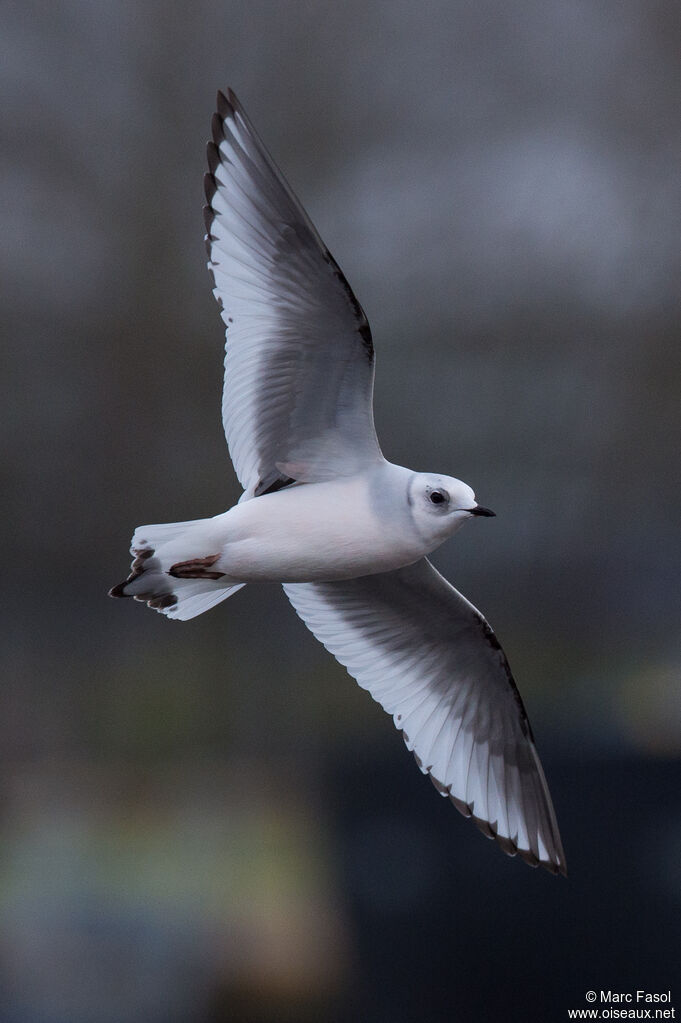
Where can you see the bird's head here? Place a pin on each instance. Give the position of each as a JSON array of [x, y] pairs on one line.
[[441, 504]]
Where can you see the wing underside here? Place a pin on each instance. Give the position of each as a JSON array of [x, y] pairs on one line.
[[432, 662], [299, 363]]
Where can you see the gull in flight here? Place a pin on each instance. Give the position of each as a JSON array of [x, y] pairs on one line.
[[346, 532]]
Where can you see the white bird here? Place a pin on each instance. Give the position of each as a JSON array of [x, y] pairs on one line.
[[324, 513]]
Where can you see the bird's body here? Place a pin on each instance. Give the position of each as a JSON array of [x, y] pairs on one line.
[[351, 526], [325, 514]]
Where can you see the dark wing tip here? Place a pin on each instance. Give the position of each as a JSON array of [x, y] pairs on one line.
[[511, 849], [489, 829], [461, 806], [208, 218], [226, 103], [213, 156], [528, 857], [555, 866], [117, 591], [210, 187], [507, 845], [217, 128]]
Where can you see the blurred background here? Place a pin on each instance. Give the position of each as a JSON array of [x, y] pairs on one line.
[[210, 822]]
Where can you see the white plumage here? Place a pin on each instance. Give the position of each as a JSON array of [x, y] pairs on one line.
[[430, 659], [323, 512], [299, 361]]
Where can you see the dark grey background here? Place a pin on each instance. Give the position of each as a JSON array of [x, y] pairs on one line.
[[210, 821]]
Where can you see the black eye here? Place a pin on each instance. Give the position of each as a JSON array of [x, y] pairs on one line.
[[437, 497]]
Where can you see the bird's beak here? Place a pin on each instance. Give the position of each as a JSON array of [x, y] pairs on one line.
[[479, 510]]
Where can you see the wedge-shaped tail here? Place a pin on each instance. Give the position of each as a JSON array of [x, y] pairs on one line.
[[173, 572]]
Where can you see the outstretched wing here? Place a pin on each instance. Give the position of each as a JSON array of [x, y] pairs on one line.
[[432, 661], [299, 364]]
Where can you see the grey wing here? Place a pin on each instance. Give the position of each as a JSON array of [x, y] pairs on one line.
[[432, 661], [299, 364]]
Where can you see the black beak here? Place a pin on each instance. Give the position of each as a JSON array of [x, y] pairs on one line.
[[479, 510]]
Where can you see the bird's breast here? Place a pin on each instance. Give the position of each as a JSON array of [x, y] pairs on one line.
[[313, 532]]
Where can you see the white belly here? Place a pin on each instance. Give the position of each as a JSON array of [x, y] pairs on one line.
[[319, 531]]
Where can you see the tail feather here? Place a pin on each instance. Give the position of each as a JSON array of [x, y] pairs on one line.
[[192, 604], [161, 575]]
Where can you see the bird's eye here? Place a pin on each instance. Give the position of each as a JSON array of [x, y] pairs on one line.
[[437, 497]]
